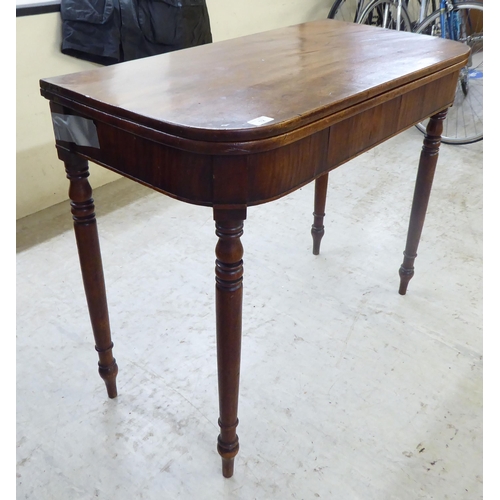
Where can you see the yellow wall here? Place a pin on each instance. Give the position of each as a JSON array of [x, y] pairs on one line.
[[40, 177]]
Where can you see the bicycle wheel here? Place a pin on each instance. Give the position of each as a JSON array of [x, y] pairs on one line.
[[389, 14], [464, 123], [419, 10], [346, 10]]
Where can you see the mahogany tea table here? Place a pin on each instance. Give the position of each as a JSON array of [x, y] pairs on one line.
[[243, 122]]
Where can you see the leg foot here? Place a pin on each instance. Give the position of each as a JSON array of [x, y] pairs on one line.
[[406, 272], [227, 451], [227, 467], [108, 373]]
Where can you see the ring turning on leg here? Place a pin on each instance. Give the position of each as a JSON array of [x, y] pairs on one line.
[[318, 229]]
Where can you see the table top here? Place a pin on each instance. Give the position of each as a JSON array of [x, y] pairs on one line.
[[262, 85]]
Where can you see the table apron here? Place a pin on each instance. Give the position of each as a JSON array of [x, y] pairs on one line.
[[258, 177]]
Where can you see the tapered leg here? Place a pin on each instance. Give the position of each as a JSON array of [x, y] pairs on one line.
[[423, 185], [87, 240], [318, 229], [228, 301]]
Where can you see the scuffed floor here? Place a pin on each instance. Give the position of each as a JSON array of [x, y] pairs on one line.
[[348, 390]]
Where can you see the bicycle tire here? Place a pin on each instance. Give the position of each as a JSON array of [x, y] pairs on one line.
[[464, 122], [345, 10], [383, 14], [414, 10]]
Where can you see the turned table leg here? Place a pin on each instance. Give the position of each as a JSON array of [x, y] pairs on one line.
[[318, 229], [228, 304], [423, 185], [87, 240]]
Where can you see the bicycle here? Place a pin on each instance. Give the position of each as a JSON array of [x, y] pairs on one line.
[[462, 21], [382, 13]]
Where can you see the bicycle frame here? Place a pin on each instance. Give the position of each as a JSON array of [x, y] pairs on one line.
[[448, 25]]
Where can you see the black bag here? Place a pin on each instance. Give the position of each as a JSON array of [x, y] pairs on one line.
[[112, 31]]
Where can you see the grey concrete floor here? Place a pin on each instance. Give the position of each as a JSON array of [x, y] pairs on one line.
[[348, 390]]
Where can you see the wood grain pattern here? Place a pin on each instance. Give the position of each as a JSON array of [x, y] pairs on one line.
[[262, 176], [295, 75]]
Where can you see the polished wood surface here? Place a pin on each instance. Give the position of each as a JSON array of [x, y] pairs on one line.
[[295, 75], [244, 122], [322, 81]]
